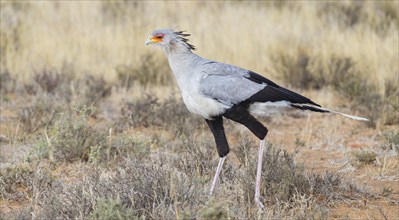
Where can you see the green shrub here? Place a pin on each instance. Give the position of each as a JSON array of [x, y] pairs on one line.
[[111, 209], [214, 211], [365, 157], [70, 138]]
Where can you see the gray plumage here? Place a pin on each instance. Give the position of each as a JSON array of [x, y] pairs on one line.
[[209, 88], [223, 82]]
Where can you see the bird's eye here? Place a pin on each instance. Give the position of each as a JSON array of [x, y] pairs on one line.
[[159, 36]]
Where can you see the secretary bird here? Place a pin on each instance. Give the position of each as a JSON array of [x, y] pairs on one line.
[[215, 90]]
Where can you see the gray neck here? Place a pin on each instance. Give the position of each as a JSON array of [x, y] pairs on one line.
[[177, 48], [180, 59]]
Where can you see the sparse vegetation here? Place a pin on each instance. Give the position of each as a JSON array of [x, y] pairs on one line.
[[93, 131], [164, 185], [365, 157], [70, 138], [149, 111], [391, 141], [15, 182]]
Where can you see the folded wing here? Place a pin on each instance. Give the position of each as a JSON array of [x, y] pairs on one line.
[[232, 85]]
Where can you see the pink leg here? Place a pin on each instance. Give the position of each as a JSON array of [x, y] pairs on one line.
[[259, 174], [218, 170]]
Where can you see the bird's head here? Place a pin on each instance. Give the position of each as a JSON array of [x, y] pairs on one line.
[[170, 39]]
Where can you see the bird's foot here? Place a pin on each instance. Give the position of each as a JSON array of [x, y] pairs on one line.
[[259, 203]]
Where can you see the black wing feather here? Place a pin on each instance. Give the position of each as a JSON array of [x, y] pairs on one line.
[[274, 93]]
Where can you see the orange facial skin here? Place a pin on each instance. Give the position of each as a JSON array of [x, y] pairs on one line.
[[157, 38]]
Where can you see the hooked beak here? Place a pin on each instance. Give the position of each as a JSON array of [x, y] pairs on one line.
[[148, 41], [152, 40]]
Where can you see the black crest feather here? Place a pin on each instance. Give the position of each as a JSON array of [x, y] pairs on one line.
[[182, 36]]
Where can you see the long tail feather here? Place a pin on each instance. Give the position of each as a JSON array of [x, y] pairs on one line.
[[349, 116], [320, 109]]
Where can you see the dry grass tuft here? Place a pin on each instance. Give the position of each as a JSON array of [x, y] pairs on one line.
[[391, 141], [111, 209], [365, 157], [15, 183], [148, 111]]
